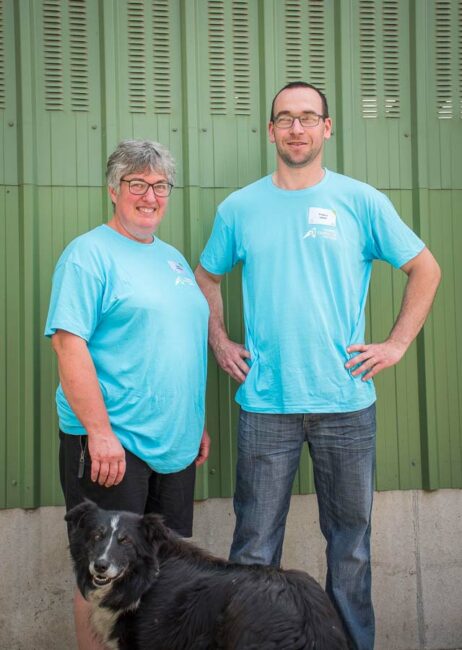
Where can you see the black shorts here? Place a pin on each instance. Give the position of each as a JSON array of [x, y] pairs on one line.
[[142, 490]]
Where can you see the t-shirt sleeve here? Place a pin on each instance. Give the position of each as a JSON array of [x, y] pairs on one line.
[[392, 240], [220, 255], [75, 303]]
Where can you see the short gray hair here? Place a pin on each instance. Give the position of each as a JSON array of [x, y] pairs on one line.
[[133, 156]]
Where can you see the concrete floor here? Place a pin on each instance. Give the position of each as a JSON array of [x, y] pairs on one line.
[[417, 568]]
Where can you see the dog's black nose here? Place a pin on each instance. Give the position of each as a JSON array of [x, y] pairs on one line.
[[101, 565]]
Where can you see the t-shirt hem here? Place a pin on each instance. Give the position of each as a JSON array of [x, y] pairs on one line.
[[306, 407], [160, 468]]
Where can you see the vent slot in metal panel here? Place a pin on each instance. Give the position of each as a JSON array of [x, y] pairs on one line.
[[2, 60], [459, 35], [444, 81], [78, 55], [241, 57], [293, 19], [217, 67], [448, 59], [136, 56], [162, 40], [368, 58], [317, 43], [391, 76], [53, 55]]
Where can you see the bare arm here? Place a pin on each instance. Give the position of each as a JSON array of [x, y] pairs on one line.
[[80, 385], [229, 355], [423, 279], [204, 448]]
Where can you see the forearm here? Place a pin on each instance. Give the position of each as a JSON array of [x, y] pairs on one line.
[[421, 287], [230, 356], [212, 292], [80, 383], [423, 278]]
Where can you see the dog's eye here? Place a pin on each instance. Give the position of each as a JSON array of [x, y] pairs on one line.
[[123, 539]]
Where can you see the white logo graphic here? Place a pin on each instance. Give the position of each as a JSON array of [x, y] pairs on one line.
[[183, 280], [328, 234], [176, 266], [325, 232]]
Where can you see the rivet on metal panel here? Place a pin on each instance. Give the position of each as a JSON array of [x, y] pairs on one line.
[[14, 482], [213, 471], [174, 129], [94, 127], [11, 123], [254, 129], [406, 135], [203, 130]]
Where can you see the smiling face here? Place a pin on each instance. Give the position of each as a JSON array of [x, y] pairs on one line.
[[298, 146], [138, 217]]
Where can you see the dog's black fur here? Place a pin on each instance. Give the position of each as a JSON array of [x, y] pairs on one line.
[[153, 591]]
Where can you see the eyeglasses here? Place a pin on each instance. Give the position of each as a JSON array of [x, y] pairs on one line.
[[136, 186], [306, 120]]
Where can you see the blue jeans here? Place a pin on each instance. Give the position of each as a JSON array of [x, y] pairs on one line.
[[342, 448]]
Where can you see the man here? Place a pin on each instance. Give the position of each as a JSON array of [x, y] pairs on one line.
[[129, 326], [307, 238]]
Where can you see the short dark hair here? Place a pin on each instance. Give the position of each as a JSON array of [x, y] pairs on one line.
[[302, 84]]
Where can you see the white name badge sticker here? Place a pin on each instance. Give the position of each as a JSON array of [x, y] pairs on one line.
[[322, 216]]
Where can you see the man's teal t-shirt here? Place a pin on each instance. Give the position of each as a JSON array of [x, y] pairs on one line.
[[145, 322], [306, 263]]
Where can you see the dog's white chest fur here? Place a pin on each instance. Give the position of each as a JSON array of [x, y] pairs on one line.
[[102, 619]]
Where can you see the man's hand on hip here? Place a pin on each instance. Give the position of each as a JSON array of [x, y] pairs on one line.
[[231, 357], [374, 357]]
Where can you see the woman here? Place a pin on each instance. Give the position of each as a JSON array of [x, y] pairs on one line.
[[129, 326]]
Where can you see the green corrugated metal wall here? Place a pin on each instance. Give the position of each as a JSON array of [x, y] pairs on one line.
[[76, 76]]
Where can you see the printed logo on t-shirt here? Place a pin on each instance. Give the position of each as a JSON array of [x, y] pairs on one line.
[[178, 268], [317, 232]]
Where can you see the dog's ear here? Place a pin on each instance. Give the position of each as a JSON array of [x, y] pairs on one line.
[[77, 515], [154, 529], [154, 533]]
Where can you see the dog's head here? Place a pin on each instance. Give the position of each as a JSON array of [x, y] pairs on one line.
[[108, 545]]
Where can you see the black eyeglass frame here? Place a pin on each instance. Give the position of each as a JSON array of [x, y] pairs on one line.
[[320, 117], [148, 185]]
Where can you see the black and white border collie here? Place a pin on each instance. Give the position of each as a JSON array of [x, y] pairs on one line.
[[150, 590]]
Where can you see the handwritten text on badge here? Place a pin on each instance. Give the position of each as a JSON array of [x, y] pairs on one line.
[[322, 216]]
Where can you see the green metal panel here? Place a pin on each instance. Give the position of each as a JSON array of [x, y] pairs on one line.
[[398, 439], [298, 43], [438, 27], [76, 76], [376, 94], [441, 350], [8, 102], [58, 46], [141, 69]]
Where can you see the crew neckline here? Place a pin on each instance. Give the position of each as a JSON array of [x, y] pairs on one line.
[[127, 239], [303, 190]]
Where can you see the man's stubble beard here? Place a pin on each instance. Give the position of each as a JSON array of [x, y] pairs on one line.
[[297, 164]]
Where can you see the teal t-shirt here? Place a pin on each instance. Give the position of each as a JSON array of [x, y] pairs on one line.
[[145, 322], [306, 263]]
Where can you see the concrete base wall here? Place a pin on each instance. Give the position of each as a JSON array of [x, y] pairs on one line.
[[417, 568]]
